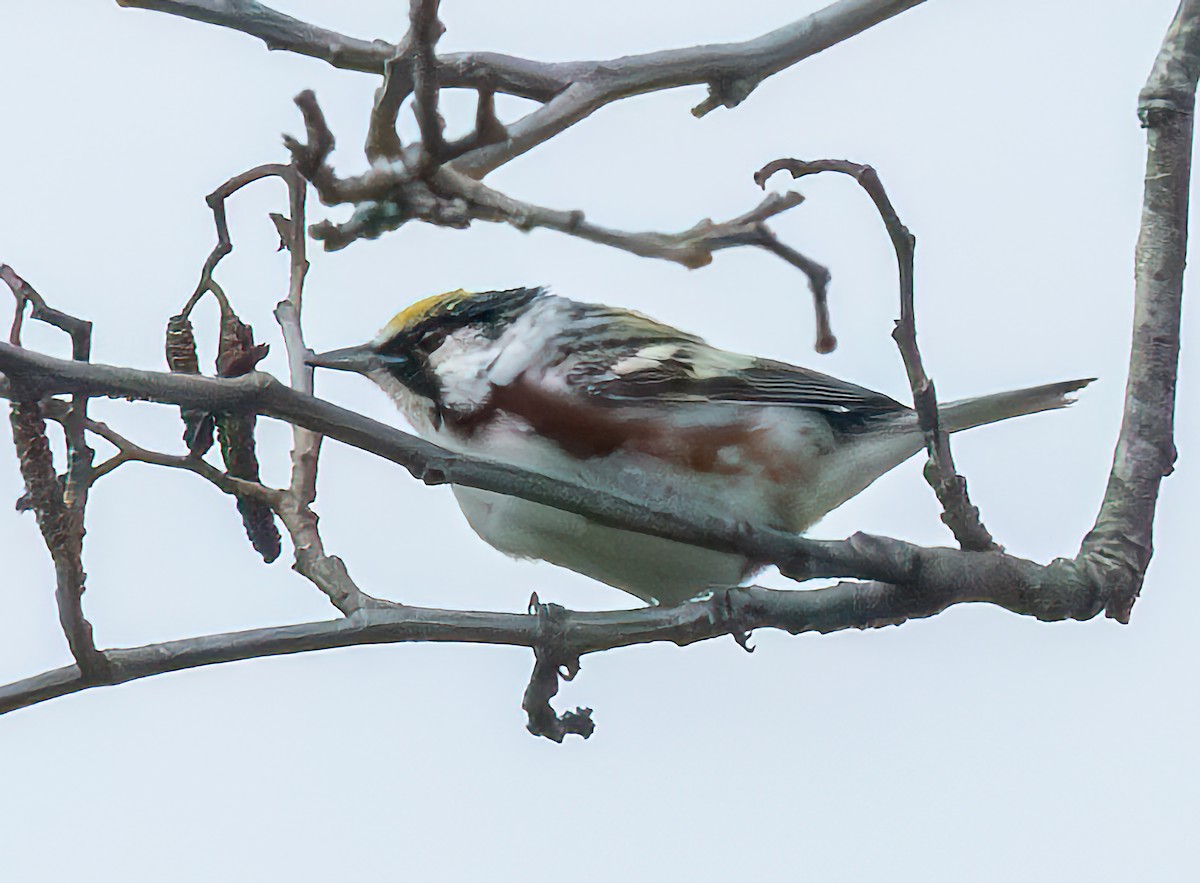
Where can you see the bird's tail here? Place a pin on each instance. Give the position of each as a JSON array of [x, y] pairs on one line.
[[969, 413]]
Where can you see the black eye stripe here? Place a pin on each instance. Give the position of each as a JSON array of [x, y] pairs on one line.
[[489, 311]]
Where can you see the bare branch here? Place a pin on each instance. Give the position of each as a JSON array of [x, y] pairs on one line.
[[293, 505], [488, 128], [392, 194], [691, 248], [130, 452], [312, 158], [216, 202], [736, 611], [522, 77], [326, 572], [61, 526], [1057, 591], [58, 505], [1121, 543], [951, 488], [732, 71], [79, 330], [818, 283], [383, 142], [571, 91], [79, 455], [424, 30], [277, 30], [306, 446]]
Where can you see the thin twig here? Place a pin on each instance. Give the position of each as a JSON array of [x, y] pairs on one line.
[[130, 452], [327, 572], [571, 91], [79, 330], [61, 527], [951, 488], [216, 202], [488, 129], [312, 158], [383, 141], [58, 505], [79, 455], [277, 30], [425, 30], [731, 70], [818, 276], [464, 198], [392, 194], [692, 248], [293, 506]]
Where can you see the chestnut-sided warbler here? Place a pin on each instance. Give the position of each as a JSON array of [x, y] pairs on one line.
[[607, 398]]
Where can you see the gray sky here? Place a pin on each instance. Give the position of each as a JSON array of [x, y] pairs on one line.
[[974, 746]]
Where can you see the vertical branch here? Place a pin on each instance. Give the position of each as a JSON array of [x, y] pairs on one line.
[[294, 508], [1120, 545], [58, 504], [79, 455], [306, 444], [424, 30], [383, 142], [951, 488]]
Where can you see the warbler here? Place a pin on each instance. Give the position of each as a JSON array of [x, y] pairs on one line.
[[610, 399]]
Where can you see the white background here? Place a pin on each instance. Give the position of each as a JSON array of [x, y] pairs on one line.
[[975, 746]]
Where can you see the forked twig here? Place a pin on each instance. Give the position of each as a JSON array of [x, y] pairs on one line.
[[59, 505], [951, 488]]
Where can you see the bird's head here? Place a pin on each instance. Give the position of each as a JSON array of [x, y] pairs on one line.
[[405, 351]]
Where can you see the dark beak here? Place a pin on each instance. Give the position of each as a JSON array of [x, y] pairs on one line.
[[359, 359]]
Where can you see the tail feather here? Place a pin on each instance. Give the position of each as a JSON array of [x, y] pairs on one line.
[[969, 413]]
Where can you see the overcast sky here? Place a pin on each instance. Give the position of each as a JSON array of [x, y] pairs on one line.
[[974, 746]]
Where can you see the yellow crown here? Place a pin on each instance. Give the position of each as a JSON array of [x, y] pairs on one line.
[[421, 310]]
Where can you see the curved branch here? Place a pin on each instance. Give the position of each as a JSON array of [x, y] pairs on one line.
[[958, 513], [731, 70], [571, 91], [1121, 543], [691, 248]]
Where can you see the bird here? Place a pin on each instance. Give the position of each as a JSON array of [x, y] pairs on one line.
[[609, 399]]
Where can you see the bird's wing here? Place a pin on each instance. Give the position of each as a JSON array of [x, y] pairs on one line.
[[638, 360]]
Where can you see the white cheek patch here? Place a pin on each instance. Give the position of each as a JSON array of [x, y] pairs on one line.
[[460, 363], [527, 341]]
